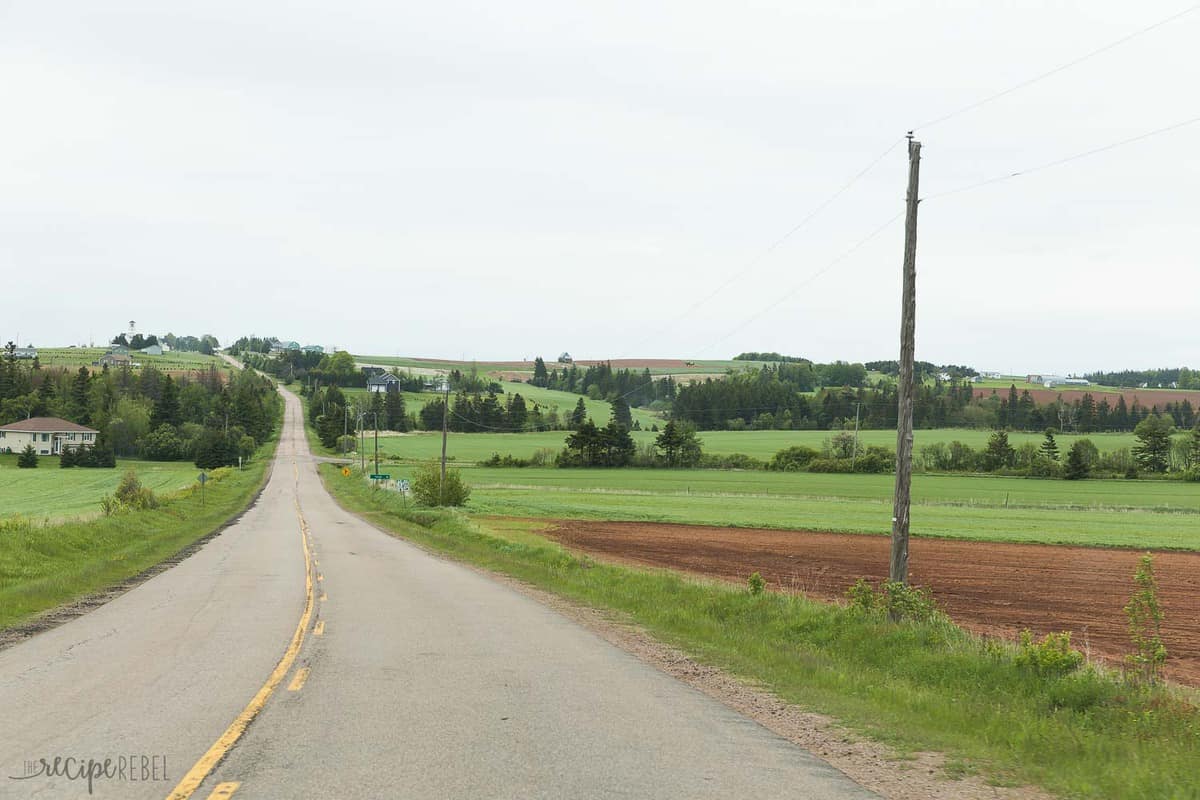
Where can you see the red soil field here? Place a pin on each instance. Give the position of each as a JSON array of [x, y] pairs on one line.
[[1144, 397], [989, 588]]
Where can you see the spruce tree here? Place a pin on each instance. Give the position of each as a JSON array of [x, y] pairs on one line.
[[621, 415], [28, 458], [1077, 466], [1153, 449], [578, 415], [1049, 446]]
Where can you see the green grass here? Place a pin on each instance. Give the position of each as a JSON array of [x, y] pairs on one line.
[[49, 492], [1155, 514], [472, 447], [927, 687], [75, 357], [46, 565]]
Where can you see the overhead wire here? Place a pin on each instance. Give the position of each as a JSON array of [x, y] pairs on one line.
[[1060, 68]]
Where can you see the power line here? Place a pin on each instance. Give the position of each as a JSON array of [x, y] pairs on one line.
[[1074, 62], [1067, 160], [758, 259], [783, 298]]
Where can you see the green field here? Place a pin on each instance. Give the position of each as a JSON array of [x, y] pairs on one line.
[[700, 367], [472, 447], [49, 492], [75, 357]]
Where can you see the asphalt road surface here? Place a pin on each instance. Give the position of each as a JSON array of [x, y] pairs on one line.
[[304, 654]]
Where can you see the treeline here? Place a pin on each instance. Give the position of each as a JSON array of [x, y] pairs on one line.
[[146, 413], [333, 416], [772, 356], [1177, 378], [769, 399], [602, 382], [486, 412], [206, 344], [923, 369]]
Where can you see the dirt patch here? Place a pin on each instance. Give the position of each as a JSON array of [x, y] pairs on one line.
[[989, 588], [1145, 398]]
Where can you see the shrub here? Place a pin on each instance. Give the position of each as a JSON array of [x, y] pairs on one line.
[[1145, 623], [729, 461], [1051, 656], [497, 460], [756, 584], [899, 600], [67, 459], [427, 488], [346, 444], [862, 597], [792, 459], [163, 444], [28, 458], [131, 494]]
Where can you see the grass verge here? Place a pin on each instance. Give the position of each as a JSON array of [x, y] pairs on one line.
[[917, 687], [43, 566]]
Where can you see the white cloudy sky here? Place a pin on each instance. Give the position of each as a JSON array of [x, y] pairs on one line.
[[498, 180]]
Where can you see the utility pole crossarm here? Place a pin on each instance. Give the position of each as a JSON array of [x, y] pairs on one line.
[[898, 571]]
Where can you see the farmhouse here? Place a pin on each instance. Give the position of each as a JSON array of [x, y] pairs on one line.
[[113, 360], [48, 435], [152, 350], [387, 382], [25, 352]]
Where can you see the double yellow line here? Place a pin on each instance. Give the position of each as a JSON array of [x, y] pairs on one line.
[[196, 775]]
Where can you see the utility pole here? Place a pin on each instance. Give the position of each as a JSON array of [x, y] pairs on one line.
[[445, 429], [375, 414], [898, 573]]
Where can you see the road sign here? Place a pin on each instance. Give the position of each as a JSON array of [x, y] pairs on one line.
[[203, 478], [375, 477], [346, 471], [402, 485]]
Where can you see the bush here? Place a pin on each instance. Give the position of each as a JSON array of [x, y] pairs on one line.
[[497, 460], [792, 459], [729, 461], [1051, 656], [1145, 623], [899, 600], [67, 459], [131, 494], [862, 597], [28, 458], [427, 488], [756, 584], [163, 444], [347, 444]]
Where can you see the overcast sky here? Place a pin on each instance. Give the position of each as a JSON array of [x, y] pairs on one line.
[[501, 180]]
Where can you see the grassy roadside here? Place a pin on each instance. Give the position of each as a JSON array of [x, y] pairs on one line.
[[917, 687], [44, 566]]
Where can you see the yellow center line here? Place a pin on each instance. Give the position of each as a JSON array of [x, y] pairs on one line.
[[298, 681], [224, 790], [200, 770], [324, 597]]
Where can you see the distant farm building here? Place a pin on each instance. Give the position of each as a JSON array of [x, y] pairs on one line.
[[1050, 381], [152, 350], [48, 435], [114, 360], [387, 382], [313, 348], [25, 352]]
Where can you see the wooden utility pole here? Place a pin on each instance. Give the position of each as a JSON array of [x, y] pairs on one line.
[[854, 455], [904, 421], [445, 429]]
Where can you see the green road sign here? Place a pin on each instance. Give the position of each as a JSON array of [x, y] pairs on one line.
[[381, 477]]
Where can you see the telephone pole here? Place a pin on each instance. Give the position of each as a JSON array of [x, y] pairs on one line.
[[445, 429], [898, 573], [854, 455]]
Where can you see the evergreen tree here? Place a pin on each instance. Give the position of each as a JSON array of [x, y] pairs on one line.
[[518, 413], [80, 396], [578, 416], [621, 415], [1077, 465], [28, 458], [1153, 449], [998, 453], [67, 458], [166, 408], [1195, 445], [1050, 447], [394, 415], [540, 376]]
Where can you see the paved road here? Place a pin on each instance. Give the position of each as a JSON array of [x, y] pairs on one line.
[[371, 670]]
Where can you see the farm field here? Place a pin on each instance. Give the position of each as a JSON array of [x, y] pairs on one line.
[[473, 447], [75, 357], [993, 589], [49, 492], [657, 366], [1156, 514]]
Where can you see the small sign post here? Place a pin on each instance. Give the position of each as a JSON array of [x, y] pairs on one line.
[[203, 480], [345, 472], [375, 476]]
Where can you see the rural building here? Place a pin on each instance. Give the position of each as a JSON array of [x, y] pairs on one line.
[[371, 372], [436, 385], [48, 435], [119, 350], [113, 360], [25, 352], [1050, 381], [152, 350], [313, 348], [387, 382]]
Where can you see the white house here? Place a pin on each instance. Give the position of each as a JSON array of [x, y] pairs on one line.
[[25, 352], [48, 435], [152, 350]]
